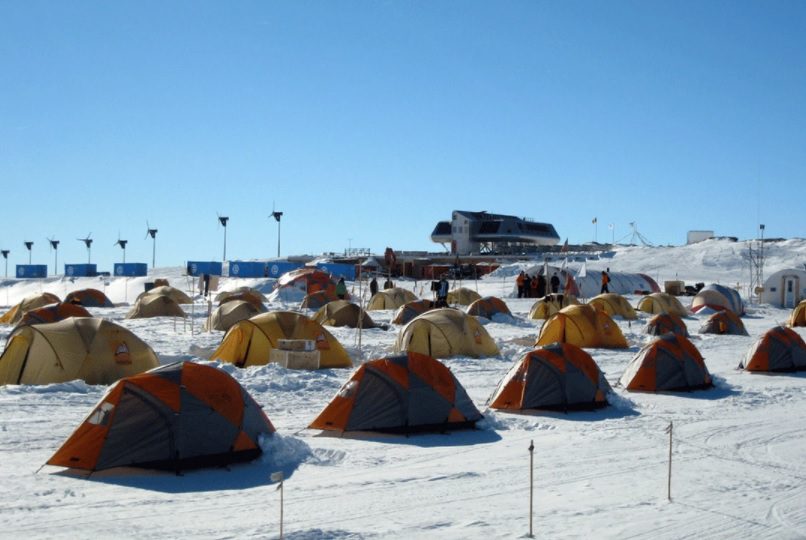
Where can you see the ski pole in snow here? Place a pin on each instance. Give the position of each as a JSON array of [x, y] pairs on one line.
[[669, 482], [278, 477], [531, 484]]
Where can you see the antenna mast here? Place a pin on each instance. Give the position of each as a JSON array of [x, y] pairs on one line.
[[54, 244]]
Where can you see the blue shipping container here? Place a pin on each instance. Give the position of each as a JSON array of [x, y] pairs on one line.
[[32, 270], [278, 268], [198, 268], [248, 269], [131, 269], [80, 270], [347, 271]]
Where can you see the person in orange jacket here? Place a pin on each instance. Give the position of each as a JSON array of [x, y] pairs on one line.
[[605, 282], [519, 281]]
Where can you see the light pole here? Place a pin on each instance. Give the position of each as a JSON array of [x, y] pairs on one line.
[[277, 215], [5, 253], [29, 245]]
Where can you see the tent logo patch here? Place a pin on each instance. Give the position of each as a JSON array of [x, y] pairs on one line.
[[122, 355]]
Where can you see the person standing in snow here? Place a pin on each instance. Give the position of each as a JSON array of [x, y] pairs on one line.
[[555, 283], [373, 286], [341, 289], [442, 293], [605, 282], [520, 280]]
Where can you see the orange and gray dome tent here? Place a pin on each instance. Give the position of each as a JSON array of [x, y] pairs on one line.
[[409, 310], [661, 302], [779, 349], [669, 363], [155, 306], [88, 298], [614, 304], [231, 312], [446, 332], [53, 313], [96, 351], [463, 296], [343, 313], [173, 293], [174, 417], [584, 326], [16, 313], [249, 342], [319, 299], [663, 323], [487, 307], [390, 299], [723, 322], [717, 297], [550, 304], [559, 376], [404, 393], [307, 279], [798, 316], [249, 294]]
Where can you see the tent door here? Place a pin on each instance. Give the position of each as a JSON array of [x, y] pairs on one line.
[[790, 291]]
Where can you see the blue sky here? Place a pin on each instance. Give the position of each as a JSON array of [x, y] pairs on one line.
[[367, 122]]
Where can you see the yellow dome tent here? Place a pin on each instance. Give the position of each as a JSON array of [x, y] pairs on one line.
[[155, 306], [94, 350], [445, 332], [230, 312], [798, 317], [657, 303], [16, 313], [584, 326], [175, 294], [343, 313], [614, 304], [249, 342], [463, 296], [550, 304], [390, 299]]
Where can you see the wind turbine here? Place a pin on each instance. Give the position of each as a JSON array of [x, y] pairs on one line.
[[29, 245], [54, 245], [122, 244], [223, 221], [87, 242], [153, 233], [277, 215]]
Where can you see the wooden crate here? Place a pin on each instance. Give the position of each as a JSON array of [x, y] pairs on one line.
[[295, 359]]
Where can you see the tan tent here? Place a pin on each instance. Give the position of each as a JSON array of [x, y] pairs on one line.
[[155, 306], [253, 296], [175, 294], [614, 305], [487, 307], [249, 342], [584, 326], [463, 296], [445, 332], [798, 316], [657, 303], [16, 313], [551, 304], [409, 310], [230, 312], [342, 313], [390, 299], [94, 350]]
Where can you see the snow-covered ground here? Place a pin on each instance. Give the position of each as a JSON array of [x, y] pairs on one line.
[[739, 462]]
